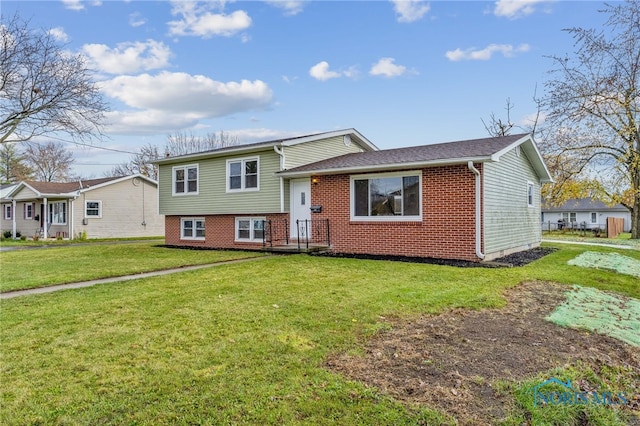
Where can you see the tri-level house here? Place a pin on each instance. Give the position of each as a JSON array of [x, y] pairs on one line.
[[471, 200]]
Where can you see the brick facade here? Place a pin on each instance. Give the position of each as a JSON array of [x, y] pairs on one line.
[[447, 229], [219, 231]]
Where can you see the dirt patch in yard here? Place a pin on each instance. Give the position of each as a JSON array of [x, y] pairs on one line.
[[452, 361]]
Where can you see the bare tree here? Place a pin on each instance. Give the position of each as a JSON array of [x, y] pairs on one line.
[[13, 167], [50, 161], [593, 105], [44, 89], [496, 126], [140, 163], [181, 143]]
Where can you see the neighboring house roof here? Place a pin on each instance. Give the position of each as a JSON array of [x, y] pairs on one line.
[[476, 150], [583, 204], [270, 144], [69, 189]]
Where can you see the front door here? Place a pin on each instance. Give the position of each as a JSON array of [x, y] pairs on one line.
[[300, 208]]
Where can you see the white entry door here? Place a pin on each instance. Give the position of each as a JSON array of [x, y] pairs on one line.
[[300, 207]]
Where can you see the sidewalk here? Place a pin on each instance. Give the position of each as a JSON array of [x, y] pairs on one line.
[[583, 243], [50, 289]]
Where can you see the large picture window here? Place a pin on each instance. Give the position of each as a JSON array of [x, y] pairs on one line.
[[393, 196], [192, 228], [242, 174], [185, 180], [249, 228], [58, 213]]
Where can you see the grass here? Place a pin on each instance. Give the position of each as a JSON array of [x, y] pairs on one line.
[[237, 344], [623, 239], [22, 269], [5, 242]]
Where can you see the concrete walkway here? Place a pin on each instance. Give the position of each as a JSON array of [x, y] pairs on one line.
[[50, 289], [583, 243]]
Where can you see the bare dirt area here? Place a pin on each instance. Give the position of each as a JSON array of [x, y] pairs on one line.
[[452, 361]]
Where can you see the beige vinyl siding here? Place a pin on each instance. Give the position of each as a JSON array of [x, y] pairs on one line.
[[509, 222], [25, 194], [310, 152], [212, 197], [124, 206], [27, 227]]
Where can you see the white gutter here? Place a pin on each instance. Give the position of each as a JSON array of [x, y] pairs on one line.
[[476, 172], [280, 152]]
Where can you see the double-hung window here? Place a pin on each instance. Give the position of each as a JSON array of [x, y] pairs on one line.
[[388, 196], [249, 228], [58, 213], [7, 212], [28, 211], [192, 228], [243, 174], [569, 217], [594, 217], [530, 194], [185, 180], [93, 209]]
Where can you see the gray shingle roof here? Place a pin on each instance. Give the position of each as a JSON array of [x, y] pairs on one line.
[[454, 151], [582, 204]]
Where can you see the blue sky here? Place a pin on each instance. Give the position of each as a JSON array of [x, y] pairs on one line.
[[402, 72]]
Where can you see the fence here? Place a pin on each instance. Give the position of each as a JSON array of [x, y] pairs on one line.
[[615, 225]]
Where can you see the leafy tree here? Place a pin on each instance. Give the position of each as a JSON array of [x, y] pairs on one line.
[[592, 130], [12, 165], [44, 89], [50, 161]]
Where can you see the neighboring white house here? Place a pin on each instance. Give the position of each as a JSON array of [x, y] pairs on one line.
[[583, 213], [96, 208]]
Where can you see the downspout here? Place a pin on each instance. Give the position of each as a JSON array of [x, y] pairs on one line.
[[280, 152], [476, 172]]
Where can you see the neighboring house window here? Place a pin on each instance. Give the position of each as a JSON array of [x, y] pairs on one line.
[[185, 180], [58, 213], [594, 217], [389, 196], [93, 209], [7, 212], [569, 217], [249, 228], [192, 228], [242, 174], [530, 194], [28, 210]]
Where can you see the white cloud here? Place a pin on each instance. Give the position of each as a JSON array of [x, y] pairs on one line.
[[410, 10], [387, 68], [198, 20], [80, 4], [485, 54], [170, 101], [58, 34], [514, 9], [136, 20], [127, 58], [320, 71], [290, 7]]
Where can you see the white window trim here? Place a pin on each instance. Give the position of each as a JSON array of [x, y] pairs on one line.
[[194, 237], [591, 217], [99, 216], [242, 187], [531, 186], [246, 240], [186, 181], [33, 208], [355, 218], [7, 212], [51, 215]]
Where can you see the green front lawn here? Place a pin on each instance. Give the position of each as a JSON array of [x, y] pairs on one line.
[[40, 267], [235, 344]]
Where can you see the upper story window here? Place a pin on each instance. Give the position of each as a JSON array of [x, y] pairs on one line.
[[58, 213], [185, 180], [388, 196], [93, 209], [243, 174]]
